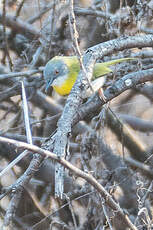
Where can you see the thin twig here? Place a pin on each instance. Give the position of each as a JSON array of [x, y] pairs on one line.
[[72, 211], [61, 207], [26, 115], [27, 73], [13, 163], [144, 168], [149, 190], [90, 12], [106, 215], [18, 187], [52, 26], [44, 10], [4, 34], [19, 8], [35, 57], [28, 131], [73, 30]]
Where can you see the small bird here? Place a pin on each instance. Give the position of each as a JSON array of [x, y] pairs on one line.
[[61, 72]]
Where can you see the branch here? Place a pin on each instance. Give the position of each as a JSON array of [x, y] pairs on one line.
[[137, 123], [88, 177], [19, 186], [19, 74], [94, 104], [19, 26]]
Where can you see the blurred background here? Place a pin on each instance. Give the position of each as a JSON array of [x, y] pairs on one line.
[[114, 144]]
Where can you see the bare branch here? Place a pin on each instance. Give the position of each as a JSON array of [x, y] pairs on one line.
[[88, 177]]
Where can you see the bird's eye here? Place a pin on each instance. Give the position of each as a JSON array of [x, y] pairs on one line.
[[56, 72]]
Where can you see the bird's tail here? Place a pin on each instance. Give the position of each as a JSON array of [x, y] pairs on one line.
[[101, 69]]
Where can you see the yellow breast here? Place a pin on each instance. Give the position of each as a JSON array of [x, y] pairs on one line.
[[65, 88]]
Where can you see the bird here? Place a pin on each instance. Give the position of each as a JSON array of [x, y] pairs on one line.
[[61, 72]]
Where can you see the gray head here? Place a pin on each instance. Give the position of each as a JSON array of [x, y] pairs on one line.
[[55, 72]]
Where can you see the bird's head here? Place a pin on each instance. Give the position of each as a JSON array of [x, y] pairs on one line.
[[55, 72]]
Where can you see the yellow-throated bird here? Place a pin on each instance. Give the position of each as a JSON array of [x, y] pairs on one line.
[[61, 72]]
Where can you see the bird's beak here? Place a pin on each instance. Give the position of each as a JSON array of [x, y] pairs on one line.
[[47, 87]]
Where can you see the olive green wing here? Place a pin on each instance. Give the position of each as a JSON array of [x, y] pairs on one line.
[[101, 69]]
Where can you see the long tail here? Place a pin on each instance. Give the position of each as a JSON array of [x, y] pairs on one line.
[[103, 68], [113, 62]]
